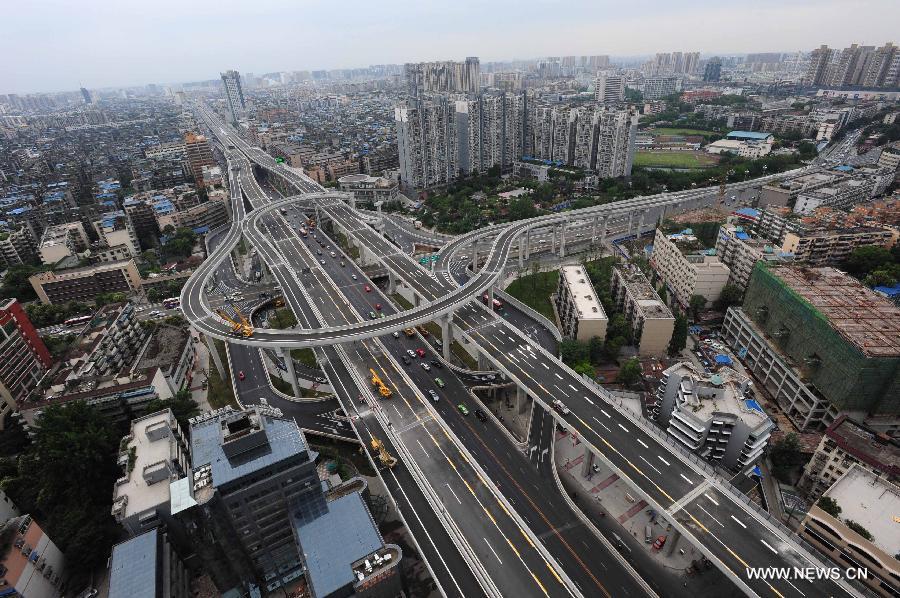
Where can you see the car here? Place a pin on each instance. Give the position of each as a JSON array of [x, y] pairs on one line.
[[422, 330], [426, 367], [378, 306], [372, 315], [660, 542], [434, 394], [437, 363], [439, 382], [406, 359], [318, 252], [367, 289], [395, 334], [420, 353], [241, 375], [342, 263], [155, 313], [411, 353], [463, 409], [562, 409], [322, 262], [481, 415], [353, 276], [333, 254]]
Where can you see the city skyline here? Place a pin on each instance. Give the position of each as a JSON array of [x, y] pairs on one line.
[[104, 48]]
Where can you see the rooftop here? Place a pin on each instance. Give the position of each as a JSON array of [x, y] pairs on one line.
[[870, 447], [582, 292], [165, 347], [872, 502], [133, 564], [860, 315], [646, 297], [749, 135], [719, 393]]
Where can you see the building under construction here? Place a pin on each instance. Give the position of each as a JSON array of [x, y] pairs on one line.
[[822, 343]]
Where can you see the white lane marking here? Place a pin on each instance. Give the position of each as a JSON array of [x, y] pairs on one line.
[[663, 460], [739, 522], [623, 427], [453, 493], [545, 365], [602, 424], [710, 499], [557, 375], [711, 516], [685, 478], [573, 388], [588, 400], [796, 588], [492, 549], [605, 413], [650, 464], [641, 442], [766, 544], [423, 448]]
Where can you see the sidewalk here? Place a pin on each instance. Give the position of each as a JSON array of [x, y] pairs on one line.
[[200, 370], [622, 516]]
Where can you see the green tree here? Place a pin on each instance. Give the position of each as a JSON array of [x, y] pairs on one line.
[[867, 258], [283, 318], [830, 506], [612, 348], [679, 335], [731, 295], [16, 285], [807, 150], [630, 372], [696, 303], [786, 457], [585, 368], [521, 208], [573, 351], [595, 349], [859, 529], [183, 407], [618, 327], [64, 480]]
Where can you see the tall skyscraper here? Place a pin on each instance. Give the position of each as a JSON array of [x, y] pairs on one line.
[[879, 66], [819, 59], [24, 358], [609, 89], [234, 94], [427, 142], [713, 70], [86, 95], [443, 77]]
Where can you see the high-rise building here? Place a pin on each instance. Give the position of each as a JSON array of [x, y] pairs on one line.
[[234, 95], [198, 154], [115, 229], [86, 95], [148, 565], [713, 70], [609, 89], [819, 59], [427, 143], [443, 77], [468, 135], [877, 68], [24, 358], [657, 88]]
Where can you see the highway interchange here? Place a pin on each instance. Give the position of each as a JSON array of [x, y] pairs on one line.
[[498, 509]]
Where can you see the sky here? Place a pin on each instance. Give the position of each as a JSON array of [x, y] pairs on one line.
[[54, 45]]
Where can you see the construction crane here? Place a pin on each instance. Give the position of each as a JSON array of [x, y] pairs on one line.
[[383, 390], [387, 459], [238, 326]]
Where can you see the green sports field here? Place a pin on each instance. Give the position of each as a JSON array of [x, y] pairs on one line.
[[677, 131], [674, 159]]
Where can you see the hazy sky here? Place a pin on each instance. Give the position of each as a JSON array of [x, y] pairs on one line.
[[48, 45]]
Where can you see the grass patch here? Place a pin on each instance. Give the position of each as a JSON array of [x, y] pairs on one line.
[[674, 159], [680, 131], [286, 388], [342, 242], [463, 355], [401, 301], [283, 318], [534, 290], [221, 393], [305, 356]]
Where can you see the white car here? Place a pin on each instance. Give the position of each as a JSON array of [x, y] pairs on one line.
[[426, 367], [395, 334], [434, 395], [353, 276]]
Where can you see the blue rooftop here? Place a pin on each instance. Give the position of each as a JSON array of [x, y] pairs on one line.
[[723, 359], [133, 568], [845, 168], [332, 542], [893, 291], [748, 135], [742, 236], [752, 404], [749, 212]]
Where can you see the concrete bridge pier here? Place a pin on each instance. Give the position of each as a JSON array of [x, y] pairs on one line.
[[392, 283], [587, 462], [483, 363], [521, 252], [603, 230], [446, 334], [292, 373], [528, 244], [521, 400], [640, 223], [630, 223], [562, 239]]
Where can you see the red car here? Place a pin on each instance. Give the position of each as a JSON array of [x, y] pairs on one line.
[[420, 353], [660, 542], [378, 306], [241, 375], [367, 289]]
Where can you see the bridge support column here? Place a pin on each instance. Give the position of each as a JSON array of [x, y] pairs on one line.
[[417, 299], [662, 215], [392, 283], [603, 230], [562, 239], [292, 373], [521, 252], [475, 256], [640, 223], [528, 244], [214, 355], [594, 228], [483, 363], [630, 222], [587, 462], [521, 400], [552, 239], [446, 335]]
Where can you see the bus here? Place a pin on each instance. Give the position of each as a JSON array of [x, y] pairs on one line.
[[171, 302], [78, 320], [497, 304]]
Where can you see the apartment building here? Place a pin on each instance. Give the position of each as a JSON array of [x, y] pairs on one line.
[[847, 443], [784, 192], [774, 222], [61, 241], [844, 194], [833, 247], [821, 343], [710, 415], [202, 217], [17, 247], [369, 189], [427, 143], [740, 252], [115, 229], [172, 350], [864, 535], [154, 454], [580, 313], [198, 154], [148, 565], [32, 564], [651, 320], [234, 94], [24, 358], [609, 89], [84, 284], [657, 88], [443, 77], [109, 342], [687, 270]]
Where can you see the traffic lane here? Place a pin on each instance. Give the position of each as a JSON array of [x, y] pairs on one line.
[[660, 474]]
